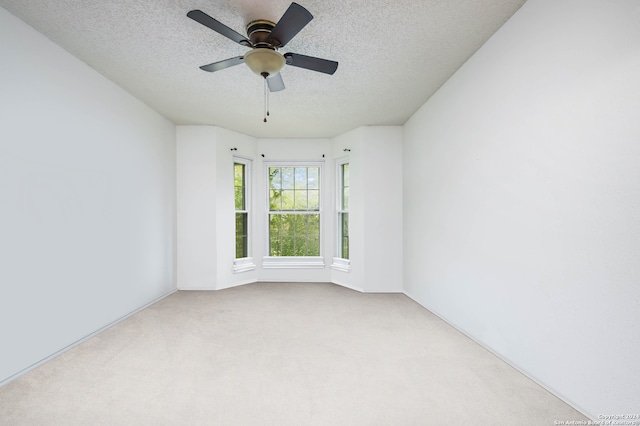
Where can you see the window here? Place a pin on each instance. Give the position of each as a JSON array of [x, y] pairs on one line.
[[341, 261], [294, 210], [343, 210], [240, 180]]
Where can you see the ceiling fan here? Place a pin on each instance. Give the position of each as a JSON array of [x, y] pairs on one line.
[[265, 38]]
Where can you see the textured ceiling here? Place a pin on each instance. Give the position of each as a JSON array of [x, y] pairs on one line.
[[393, 56]]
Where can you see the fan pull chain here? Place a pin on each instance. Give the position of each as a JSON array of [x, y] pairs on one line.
[[266, 96], [266, 108]]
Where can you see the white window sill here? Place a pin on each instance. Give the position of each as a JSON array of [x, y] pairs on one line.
[[340, 264], [243, 265], [285, 262]]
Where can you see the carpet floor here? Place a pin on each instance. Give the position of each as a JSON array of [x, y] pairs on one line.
[[279, 354]]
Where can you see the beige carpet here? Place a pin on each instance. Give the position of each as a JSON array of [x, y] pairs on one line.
[[279, 354]]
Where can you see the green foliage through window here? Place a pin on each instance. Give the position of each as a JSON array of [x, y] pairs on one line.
[[241, 235], [294, 211], [343, 212], [242, 215]]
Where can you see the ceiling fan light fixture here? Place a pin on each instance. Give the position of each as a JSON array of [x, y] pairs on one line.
[[264, 60]]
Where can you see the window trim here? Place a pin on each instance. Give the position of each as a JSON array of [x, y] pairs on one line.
[[244, 264], [293, 262]]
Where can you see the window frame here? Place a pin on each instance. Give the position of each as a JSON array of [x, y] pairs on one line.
[[293, 262], [243, 264]]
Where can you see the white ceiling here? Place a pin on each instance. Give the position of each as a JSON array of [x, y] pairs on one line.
[[393, 56]]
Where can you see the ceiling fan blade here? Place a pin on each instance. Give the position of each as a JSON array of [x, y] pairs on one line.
[[220, 65], [294, 19], [219, 27], [311, 63], [275, 83]]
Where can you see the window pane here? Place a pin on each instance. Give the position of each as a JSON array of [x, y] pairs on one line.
[[345, 224], [240, 223], [241, 247], [345, 198], [288, 200], [314, 225], [345, 186], [238, 174], [300, 248], [313, 199], [314, 177], [239, 198], [274, 247], [287, 178], [275, 178], [239, 185], [301, 178], [294, 235], [344, 235], [288, 225], [275, 200], [345, 175], [314, 247], [301, 199], [274, 225], [345, 248], [300, 221], [241, 235], [287, 246]]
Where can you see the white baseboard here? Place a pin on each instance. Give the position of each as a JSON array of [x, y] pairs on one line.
[[219, 287], [81, 340], [236, 284], [196, 288], [349, 286]]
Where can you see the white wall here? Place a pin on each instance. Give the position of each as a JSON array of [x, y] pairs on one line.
[[196, 154], [521, 216], [381, 167], [87, 200]]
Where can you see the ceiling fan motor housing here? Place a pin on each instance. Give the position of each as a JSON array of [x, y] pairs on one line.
[[259, 32]]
